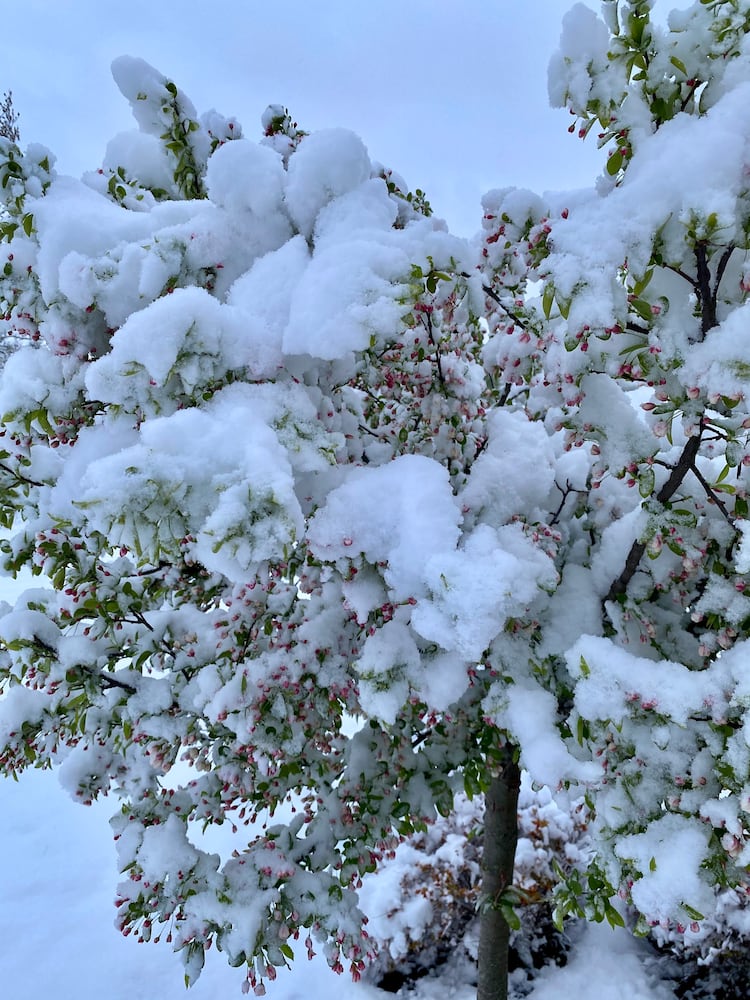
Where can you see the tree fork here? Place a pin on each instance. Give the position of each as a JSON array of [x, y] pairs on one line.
[[498, 856]]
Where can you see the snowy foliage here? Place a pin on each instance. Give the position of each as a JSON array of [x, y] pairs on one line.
[[333, 512]]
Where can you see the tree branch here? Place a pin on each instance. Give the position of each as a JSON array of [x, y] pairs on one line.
[[683, 274], [110, 681], [685, 464], [488, 290], [635, 328]]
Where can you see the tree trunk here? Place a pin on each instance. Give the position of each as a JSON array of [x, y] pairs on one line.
[[500, 839]]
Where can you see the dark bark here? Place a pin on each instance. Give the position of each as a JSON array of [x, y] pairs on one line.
[[500, 839]]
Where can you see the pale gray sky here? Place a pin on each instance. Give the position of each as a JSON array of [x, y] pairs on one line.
[[450, 94]]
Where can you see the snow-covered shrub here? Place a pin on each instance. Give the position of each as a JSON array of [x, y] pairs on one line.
[[710, 962], [423, 904]]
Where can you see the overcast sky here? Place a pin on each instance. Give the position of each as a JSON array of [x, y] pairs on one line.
[[450, 93]]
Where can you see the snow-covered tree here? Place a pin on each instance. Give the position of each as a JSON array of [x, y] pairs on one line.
[[336, 514], [236, 464]]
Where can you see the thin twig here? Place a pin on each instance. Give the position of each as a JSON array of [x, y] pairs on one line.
[[634, 328], [712, 493], [721, 268], [488, 290], [18, 475], [565, 494], [683, 274], [690, 93], [113, 682], [140, 619]]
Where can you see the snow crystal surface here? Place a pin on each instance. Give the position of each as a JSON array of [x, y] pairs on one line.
[[513, 443], [470, 592], [531, 711], [606, 964], [611, 678], [399, 514], [584, 40], [328, 164], [669, 855], [245, 176], [196, 334], [347, 295]]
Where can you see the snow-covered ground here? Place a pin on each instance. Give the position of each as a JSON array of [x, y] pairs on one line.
[[57, 879]]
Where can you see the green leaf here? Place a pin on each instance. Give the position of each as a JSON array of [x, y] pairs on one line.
[[548, 299], [286, 950], [43, 420], [614, 163], [646, 482], [643, 309], [678, 64], [510, 916], [28, 223], [734, 453], [640, 286], [614, 917]]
